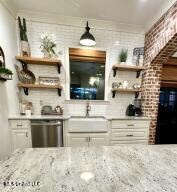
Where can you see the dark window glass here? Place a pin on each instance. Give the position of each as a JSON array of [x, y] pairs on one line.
[[87, 80]]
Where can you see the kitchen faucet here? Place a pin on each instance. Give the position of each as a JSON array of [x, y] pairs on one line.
[[88, 108]]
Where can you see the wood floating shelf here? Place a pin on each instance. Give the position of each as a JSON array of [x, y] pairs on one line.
[[38, 61], [136, 91], [39, 86], [136, 69]]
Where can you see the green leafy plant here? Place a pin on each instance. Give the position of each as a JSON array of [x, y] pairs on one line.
[[48, 45], [23, 29], [123, 55], [5, 71]]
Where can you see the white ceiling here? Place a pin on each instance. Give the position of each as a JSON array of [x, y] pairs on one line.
[[135, 12]]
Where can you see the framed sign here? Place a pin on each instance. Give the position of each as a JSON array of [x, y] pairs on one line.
[[138, 55], [49, 80]]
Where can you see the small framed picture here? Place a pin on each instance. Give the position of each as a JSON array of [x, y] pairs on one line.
[[49, 80]]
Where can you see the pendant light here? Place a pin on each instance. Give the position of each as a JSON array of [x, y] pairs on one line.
[[87, 39]]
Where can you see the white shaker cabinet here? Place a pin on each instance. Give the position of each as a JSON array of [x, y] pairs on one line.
[[20, 139], [129, 132], [21, 134], [87, 139], [76, 140]]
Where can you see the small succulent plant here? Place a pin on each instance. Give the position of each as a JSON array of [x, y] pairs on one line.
[[123, 55]]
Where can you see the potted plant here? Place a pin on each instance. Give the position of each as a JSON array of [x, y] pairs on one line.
[[123, 56], [48, 45], [5, 74], [25, 47]]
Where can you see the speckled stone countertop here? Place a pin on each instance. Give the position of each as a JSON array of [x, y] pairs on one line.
[[65, 117], [39, 117], [104, 169]]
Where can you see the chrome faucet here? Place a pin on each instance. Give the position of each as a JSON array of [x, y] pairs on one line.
[[88, 108]]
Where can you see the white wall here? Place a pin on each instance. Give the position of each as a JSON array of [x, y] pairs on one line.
[[161, 11], [68, 36], [8, 98]]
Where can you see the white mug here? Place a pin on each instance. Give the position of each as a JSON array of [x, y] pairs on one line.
[[125, 84], [28, 113]]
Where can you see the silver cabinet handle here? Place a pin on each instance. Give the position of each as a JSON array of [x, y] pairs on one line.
[[130, 125], [26, 134], [88, 139], [19, 125], [129, 135]]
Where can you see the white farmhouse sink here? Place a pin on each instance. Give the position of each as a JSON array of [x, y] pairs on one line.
[[91, 124]]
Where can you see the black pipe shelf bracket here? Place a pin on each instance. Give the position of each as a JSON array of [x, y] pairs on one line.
[[59, 92], [114, 72], [24, 65], [138, 73], [113, 94], [59, 68], [136, 95], [26, 91]]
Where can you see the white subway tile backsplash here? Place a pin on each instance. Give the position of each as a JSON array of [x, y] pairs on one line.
[[68, 36]]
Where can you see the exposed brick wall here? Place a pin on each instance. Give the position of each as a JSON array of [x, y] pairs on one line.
[[161, 34], [150, 96], [160, 44]]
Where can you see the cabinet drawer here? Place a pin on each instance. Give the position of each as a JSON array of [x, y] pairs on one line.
[[142, 142], [19, 124], [129, 134], [129, 124]]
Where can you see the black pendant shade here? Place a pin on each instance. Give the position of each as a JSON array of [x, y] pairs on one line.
[[87, 39]]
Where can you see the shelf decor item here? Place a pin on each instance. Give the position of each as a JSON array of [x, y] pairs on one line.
[[25, 76], [5, 74], [123, 56], [138, 56], [48, 45], [49, 81], [24, 44], [2, 58]]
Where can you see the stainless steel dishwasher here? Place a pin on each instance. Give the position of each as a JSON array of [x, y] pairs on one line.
[[47, 133]]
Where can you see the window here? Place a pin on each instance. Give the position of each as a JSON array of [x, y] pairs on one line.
[[87, 74]]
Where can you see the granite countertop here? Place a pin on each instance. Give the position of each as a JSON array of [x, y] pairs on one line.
[[103, 169], [38, 117], [113, 117], [65, 117]]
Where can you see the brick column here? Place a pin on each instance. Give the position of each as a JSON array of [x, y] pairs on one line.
[[150, 96], [160, 44]]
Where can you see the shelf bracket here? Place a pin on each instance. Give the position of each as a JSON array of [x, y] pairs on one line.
[[26, 91], [24, 65], [59, 71], [136, 95], [114, 72], [59, 92], [113, 94], [138, 73]]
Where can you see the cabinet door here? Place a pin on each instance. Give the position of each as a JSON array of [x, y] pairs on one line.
[[98, 140], [77, 140], [21, 139]]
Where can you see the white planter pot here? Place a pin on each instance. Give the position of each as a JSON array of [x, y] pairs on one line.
[[122, 63], [25, 48]]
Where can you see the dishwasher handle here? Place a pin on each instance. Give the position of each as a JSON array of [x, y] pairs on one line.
[[50, 123]]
